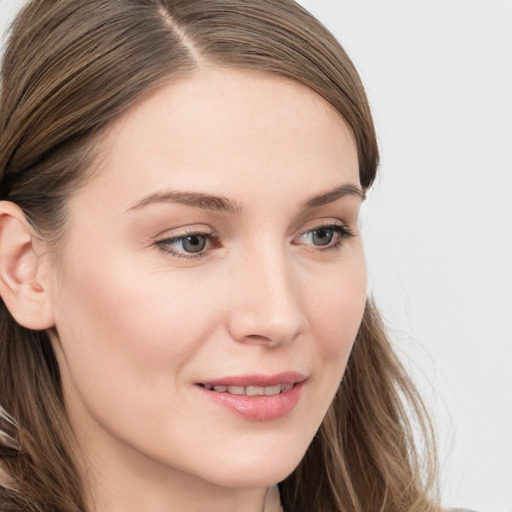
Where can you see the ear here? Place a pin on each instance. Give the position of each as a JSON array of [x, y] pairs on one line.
[[23, 278]]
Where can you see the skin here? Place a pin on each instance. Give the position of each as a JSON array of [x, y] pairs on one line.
[[139, 321]]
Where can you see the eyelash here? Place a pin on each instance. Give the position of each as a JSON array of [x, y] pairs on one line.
[[341, 231]]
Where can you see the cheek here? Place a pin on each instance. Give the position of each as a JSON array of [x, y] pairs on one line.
[[335, 318], [337, 311], [125, 342], [128, 326]]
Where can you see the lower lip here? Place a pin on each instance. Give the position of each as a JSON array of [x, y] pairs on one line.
[[258, 408]]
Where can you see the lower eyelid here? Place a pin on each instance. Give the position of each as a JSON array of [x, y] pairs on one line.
[[161, 246]]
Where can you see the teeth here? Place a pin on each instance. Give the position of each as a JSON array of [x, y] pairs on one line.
[[273, 390], [236, 390], [252, 390]]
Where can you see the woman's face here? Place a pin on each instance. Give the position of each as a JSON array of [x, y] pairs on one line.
[[212, 280]]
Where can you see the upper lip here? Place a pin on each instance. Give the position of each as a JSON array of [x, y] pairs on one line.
[[257, 380]]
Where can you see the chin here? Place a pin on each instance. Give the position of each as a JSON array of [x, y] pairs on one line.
[[260, 470], [252, 477]]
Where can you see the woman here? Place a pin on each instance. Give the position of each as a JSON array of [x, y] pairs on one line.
[[185, 321]]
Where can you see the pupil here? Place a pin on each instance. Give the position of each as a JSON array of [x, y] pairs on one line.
[[322, 236], [194, 243]]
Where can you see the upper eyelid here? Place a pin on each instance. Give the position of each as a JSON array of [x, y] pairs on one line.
[[182, 232], [325, 224], [180, 236]]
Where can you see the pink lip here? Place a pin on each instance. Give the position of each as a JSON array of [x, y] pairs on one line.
[[257, 408], [258, 380]]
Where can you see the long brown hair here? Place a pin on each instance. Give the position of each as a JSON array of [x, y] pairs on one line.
[[70, 69]]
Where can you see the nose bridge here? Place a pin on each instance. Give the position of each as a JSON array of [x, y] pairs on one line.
[[267, 298]]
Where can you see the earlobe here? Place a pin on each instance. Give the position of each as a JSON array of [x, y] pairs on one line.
[[21, 285]]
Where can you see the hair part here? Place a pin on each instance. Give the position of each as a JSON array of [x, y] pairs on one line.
[[72, 68]]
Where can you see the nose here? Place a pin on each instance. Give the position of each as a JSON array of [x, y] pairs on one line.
[[266, 301]]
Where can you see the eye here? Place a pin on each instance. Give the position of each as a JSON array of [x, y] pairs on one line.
[[320, 236], [192, 243], [188, 245], [326, 237]]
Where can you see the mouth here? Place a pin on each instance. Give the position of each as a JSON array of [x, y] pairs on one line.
[[256, 397], [250, 390]]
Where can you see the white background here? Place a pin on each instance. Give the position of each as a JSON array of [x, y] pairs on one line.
[[438, 224]]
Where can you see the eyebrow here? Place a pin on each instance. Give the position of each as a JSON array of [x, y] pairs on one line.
[[195, 199], [223, 204], [334, 195]]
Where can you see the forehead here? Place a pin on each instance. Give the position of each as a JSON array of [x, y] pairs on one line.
[[226, 129]]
